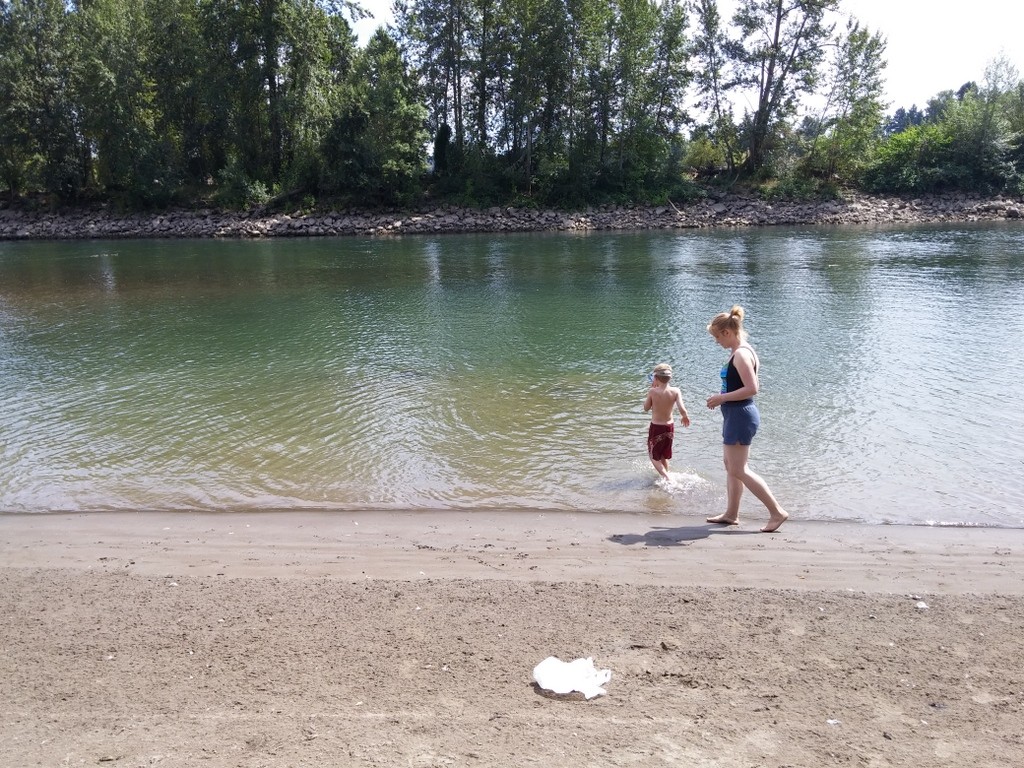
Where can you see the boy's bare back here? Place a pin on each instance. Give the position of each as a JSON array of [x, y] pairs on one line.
[[662, 400]]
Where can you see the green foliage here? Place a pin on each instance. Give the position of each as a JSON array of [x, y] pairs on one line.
[[543, 102], [375, 148], [19, 158], [40, 127], [909, 161], [705, 157], [779, 53], [237, 190], [902, 119], [118, 121], [796, 186], [849, 127], [968, 144]]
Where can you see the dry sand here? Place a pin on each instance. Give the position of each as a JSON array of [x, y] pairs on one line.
[[408, 639]]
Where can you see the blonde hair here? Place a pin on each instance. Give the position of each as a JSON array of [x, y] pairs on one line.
[[729, 321], [663, 372]]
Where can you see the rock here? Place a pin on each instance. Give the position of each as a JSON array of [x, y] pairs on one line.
[[722, 211]]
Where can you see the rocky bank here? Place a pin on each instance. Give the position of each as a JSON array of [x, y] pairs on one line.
[[728, 211]]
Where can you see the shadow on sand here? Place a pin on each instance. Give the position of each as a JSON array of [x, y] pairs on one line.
[[677, 537]]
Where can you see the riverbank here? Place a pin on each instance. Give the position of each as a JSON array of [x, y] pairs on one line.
[[726, 211], [408, 639]]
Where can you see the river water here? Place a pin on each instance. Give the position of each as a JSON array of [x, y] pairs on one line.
[[508, 371]]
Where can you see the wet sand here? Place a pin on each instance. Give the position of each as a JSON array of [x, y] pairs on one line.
[[408, 639]]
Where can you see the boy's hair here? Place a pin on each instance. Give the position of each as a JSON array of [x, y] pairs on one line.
[[663, 372]]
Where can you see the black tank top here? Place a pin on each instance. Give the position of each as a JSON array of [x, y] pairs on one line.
[[731, 380]]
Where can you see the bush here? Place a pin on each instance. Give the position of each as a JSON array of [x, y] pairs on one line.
[[795, 186], [237, 190]]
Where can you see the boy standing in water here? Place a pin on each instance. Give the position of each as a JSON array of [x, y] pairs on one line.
[[661, 401]]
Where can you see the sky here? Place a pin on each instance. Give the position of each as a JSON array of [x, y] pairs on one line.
[[930, 47]]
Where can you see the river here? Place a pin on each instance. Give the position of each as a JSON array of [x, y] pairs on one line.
[[508, 371]]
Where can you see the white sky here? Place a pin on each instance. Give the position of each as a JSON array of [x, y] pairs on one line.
[[931, 47]]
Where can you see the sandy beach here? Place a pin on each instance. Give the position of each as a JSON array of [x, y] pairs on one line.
[[408, 639]]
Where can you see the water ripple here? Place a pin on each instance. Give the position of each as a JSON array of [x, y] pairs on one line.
[[509, 372]]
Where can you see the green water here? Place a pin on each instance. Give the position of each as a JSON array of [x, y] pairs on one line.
[[508, 371]]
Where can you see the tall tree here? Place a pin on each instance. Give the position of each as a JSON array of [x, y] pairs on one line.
[[779, 53], [636, 32], [435, 36], [41, 118], [376, 144], [182, 101], [587, 104], [234, 84], [521, 84], [117, 91], [982, 135], [672, 74], [714, 86], [853, 112], [320, 56], [599, 46], [17, 144], [271, 67], [1015, 118], [483, 38]]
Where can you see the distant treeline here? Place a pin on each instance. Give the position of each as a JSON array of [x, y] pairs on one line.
[[552, 102]]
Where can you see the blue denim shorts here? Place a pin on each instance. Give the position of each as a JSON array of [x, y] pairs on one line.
[[740, 421]]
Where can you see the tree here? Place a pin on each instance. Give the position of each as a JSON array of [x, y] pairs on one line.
[[635, 34], [182, 101], [1015, 118], [979, 153], [966, 142], [434, 34], [40, 130], [579, 102], [376, 146], [483, 39], [716, 140], [781, 46], [321, 54], [274, 70], [852, 117], [116, 97], [650, 61], [18, 149], [902, 119]]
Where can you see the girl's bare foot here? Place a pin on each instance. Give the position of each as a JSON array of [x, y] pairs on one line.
[[775, 522], [723, 520]]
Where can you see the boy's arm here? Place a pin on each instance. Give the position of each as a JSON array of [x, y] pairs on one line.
[[648, 402], [685, 417]]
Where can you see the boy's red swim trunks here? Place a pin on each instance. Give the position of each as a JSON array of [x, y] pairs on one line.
[[659, 441]]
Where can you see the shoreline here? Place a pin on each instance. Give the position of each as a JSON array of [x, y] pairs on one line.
[[723, 211], [605, 548], [247, 640]]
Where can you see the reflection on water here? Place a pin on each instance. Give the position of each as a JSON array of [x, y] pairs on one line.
[[472, 372]]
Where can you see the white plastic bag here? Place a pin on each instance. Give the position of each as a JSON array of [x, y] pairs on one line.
[[559, 676]]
